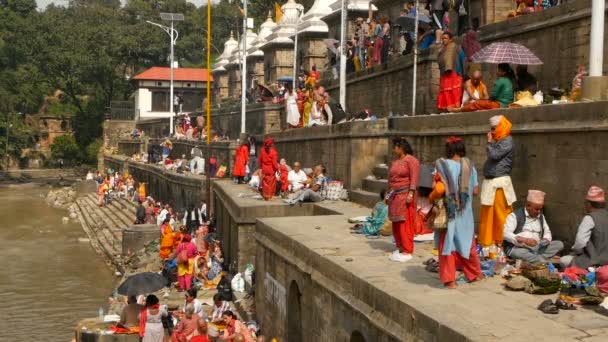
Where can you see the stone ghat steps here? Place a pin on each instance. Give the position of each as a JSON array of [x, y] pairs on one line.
[[119, 211], [101, 233], [107, 217], [369, 194]]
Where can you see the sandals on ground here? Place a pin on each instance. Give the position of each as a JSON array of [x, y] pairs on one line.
[[563, 305], [548, 307]]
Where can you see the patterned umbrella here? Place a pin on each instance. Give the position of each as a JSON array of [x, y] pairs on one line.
[[505, 52]]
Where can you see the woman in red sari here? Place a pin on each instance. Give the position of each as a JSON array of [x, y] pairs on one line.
[[450, 82], [402, 183], [242, 157], [269, 165]]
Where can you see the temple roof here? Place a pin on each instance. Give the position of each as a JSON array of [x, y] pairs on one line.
[[287, 25], [265, 31], [223, 59]]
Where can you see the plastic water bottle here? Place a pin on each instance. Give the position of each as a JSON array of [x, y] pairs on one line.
[[493, 252], [100, 312], [502, 260]]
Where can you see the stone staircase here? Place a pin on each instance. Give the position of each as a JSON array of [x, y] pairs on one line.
[[369, 194], [104, 225]]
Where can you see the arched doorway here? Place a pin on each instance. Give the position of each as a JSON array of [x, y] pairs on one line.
[[357, 337], [294, 314]]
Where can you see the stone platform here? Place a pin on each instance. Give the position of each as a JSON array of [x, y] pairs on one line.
[[325, 284]]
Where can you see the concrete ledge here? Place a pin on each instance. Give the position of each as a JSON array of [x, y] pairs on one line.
[[349, 282]]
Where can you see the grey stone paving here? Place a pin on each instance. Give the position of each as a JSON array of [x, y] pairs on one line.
[[482, 312]]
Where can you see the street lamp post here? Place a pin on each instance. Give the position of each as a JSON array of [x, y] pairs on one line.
[[244, 70], [8, 125], [343, 18], [173, 34], [415, 72], [295, 50]]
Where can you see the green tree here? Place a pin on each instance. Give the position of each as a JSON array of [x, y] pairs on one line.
[[65, 147]]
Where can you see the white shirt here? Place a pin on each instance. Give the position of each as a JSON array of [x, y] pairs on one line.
[[530, 230], [161, 216], [202, 212], [583, 234], [296, 177], [198, 307]]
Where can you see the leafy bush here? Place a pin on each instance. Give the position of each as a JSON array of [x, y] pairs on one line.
[[91, 151], [65, 147]]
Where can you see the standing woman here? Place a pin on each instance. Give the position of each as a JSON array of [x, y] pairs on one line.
[[291, 106], [253, 160], [386, 39], [186, 252], [166, 238], [150, 321], [402, 183], [497, 193], [456, 184], [269, 165], [450, 82], [378, 41], [240, 162]]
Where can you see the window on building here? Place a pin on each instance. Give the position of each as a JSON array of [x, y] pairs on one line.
[[192, 100], [160, 101]]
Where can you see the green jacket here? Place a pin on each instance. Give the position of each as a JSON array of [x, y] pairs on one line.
[[502, 92]]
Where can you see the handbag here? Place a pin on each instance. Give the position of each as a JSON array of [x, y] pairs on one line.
[[441, 215]]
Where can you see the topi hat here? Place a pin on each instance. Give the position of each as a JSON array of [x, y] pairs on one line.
[[595, 194]]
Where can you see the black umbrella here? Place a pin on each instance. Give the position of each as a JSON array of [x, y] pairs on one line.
[[142, 283], [409, 23]]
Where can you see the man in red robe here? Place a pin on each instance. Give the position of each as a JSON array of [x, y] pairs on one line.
[[240, 162], [269, 165], [283, 176]]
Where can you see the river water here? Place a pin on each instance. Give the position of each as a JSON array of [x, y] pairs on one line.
[[48, 279]]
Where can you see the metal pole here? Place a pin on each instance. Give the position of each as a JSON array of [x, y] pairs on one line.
[[171, 107], [415, 71], [343, 54], [596, 46], [295, 56], [8, 125], [208, 164], [244, 71]]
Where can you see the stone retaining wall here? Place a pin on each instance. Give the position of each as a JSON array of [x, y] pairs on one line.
[[349, 151], [559, 149], [180, 190]]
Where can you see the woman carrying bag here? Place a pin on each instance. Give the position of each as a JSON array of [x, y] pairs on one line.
[[452, 214]]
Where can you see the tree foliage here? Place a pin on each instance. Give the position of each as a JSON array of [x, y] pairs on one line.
[[65, 147], [90, 49]]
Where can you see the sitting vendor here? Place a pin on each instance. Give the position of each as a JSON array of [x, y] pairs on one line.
[[591, 245], [527, 234]]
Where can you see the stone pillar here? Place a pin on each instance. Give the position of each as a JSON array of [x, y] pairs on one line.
[[234, 80], [595, 86], [220, 79], [312, 50], [255, 69], [278, 62]]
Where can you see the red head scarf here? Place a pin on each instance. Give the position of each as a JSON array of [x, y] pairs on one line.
[[186, 238], [268, 142]]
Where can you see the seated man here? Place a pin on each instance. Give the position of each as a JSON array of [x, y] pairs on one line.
[[130, 313], [474, 89], [219, 307], [527, 234], [296, 178], [315, 193], [591, 245]]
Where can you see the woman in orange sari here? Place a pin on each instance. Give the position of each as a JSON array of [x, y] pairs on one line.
[[497, 193], [166, 239]]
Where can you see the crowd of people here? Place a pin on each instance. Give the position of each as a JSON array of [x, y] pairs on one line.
[[520, 234], [272, 177], [114, 185], [192, 259]]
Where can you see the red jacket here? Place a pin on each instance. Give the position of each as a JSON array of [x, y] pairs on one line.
[[242, 156]]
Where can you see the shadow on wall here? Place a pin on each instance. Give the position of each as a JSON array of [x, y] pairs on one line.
[[294, 313]]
